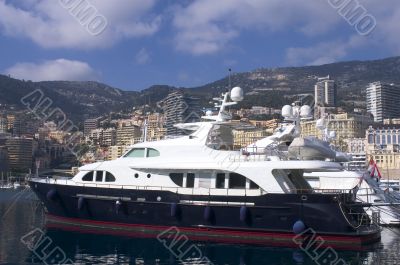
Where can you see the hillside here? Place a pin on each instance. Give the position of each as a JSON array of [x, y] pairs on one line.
[[265, 87], [351, 77]]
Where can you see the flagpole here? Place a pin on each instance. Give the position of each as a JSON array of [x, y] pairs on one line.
[[387, 169]]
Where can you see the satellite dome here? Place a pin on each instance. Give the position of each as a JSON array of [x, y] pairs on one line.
[[287, 111], [305, 111], [237, 94]]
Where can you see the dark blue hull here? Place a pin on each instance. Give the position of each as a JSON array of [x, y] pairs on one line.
[[261, 219]]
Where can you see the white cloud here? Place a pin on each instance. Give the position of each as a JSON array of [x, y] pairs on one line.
[[207, 26], [322, 53], [387, 32], [60, 69], [143, 56], [50, 25]]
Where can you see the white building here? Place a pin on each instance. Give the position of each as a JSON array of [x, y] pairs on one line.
[[383, 145], [325, 92], [356, 148], [383, 101]]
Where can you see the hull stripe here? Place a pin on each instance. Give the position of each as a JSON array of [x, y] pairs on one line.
[[204, 234]]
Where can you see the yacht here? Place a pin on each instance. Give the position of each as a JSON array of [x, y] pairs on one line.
[[204, 187]]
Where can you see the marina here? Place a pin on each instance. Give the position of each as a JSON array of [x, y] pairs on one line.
[[280, 191], [199, 132]]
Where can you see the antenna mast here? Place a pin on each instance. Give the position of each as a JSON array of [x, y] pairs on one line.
[[229, 78]]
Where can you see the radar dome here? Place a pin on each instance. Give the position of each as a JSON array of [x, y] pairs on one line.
[[237, 94], [332, 134], [287, 111], [209, 113], [305, 111]]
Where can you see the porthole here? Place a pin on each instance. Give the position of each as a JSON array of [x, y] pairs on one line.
[[136, 175], [148, 176]]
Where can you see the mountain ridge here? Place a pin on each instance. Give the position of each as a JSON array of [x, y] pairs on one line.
[[263, 86]]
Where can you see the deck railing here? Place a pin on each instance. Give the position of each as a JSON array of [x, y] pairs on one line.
[[191, 190]]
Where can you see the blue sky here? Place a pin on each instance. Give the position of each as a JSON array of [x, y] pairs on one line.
[[187, 43]]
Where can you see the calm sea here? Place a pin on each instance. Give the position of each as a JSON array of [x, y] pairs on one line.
[[22, 222]]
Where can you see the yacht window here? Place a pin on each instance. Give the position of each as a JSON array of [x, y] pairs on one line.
[[152, 152], [253, 186], [136, 152], [283, 180], [99, 176], [292, 180], [88, 176], [296, 177], [220, 182], [177, 178], [237, 181], [220, 137], [109, 177], [205, 180], [190, 180]]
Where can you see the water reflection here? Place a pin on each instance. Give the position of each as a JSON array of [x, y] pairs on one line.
[[20, 215]]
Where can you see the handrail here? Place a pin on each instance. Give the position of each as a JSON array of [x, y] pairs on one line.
[[206, 191]]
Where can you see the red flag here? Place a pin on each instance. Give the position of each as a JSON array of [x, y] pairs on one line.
[[373, 169]]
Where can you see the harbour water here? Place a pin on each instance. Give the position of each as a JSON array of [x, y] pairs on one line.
[[22, 219]]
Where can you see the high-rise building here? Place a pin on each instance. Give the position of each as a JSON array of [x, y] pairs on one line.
[[325, 92], [20, 153], [25, 125], [3, 124], [383, 101], [95, 136], [180, 108], [103, 137], [89, 125], [115, 152], [3, 160], [126, 135], [109, 137], [10, 119], [155, 127]]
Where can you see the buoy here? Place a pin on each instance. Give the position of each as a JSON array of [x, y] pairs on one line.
[[208, 213], [174, 210], [51, 195], [298, 257], [117, 206], [243, 213], [81, 203], [299, 227]]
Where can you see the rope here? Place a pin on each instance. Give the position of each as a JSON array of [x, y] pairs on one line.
[[347, 220]]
